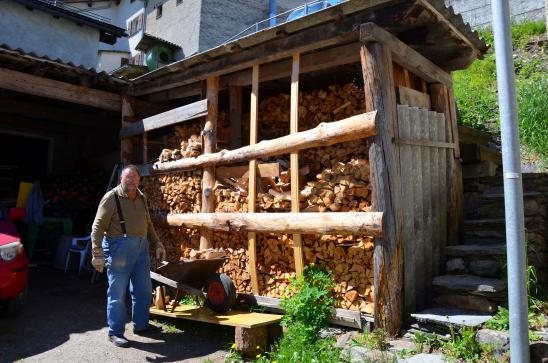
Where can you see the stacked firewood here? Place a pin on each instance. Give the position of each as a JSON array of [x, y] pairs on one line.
[[275, 264], [350, 260], [209, 254], [174, 193], [235, 245], [177, 240], [343, 188], [335, 103], [332, 179]]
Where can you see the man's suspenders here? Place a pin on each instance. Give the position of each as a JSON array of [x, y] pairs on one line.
[[120, 215]]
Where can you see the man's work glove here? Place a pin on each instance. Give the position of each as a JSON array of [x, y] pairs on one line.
[[160, 252], [98, 263]]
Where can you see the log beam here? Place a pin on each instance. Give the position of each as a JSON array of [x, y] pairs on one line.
[[325, 134], [168, 118], [209, 134], [386, 193], [359, 223], [294, 161], [57, 90], [252, 189]]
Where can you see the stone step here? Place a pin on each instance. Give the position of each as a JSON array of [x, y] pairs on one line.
[[443, 319], [474, 250], [493, 289], [485, 224], [485, 267], [467, 302]]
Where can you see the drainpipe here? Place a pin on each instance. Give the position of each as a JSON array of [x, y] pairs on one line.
[[272, 13], [513, 192]]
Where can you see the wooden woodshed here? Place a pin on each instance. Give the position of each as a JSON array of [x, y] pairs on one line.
[[348, 115]]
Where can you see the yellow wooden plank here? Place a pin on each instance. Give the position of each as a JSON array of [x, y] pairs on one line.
[[231, 318]]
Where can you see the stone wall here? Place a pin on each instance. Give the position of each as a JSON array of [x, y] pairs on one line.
[[478, 12], [484, 201]]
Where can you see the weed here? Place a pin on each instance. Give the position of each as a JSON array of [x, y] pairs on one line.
[[307, 310], [192, 300], [167, 327], [419, 339], [463, 345], [311, 302], [372, 340]]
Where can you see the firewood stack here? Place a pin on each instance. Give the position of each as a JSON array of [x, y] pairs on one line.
[[174, 193], [350, 259], [177, 240], [275, 263], [333, 179], [333, 104], [235, 245]]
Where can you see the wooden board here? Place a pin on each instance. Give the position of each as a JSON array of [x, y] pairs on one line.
[[235, 116], [230, 318], [57, 90], [294, 161], [426, 248], [252, 185], [442, 192], [435, 196], [413, 98], [168, 118], [407, 164]]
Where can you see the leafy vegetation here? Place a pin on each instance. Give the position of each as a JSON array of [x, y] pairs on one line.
[[476, 89], [307, 309], [463, 346]]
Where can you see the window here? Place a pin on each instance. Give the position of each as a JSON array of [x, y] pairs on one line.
[[135, 25], [124, 61], [177, 2], [158, 11], [136, 59]]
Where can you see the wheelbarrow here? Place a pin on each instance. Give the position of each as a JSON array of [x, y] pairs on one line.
[[198, 278]]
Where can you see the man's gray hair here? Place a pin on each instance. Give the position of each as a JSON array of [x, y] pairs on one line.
[[132, 168]]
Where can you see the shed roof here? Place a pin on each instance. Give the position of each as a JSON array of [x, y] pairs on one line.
[[427, 26]]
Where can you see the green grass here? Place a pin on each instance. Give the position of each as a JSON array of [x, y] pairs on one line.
[[476, 90]]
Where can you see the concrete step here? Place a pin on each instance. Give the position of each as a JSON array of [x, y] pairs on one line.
[[443, 319], [493, 289]]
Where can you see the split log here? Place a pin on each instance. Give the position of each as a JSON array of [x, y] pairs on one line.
[[325, 223], [325, 134]]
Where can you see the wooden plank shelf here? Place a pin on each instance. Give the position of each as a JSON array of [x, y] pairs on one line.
[[241, 319]]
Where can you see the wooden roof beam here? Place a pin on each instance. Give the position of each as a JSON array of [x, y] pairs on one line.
[[405, 55], [49, 88]]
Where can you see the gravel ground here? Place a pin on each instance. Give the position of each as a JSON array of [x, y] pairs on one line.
[[64, 320]]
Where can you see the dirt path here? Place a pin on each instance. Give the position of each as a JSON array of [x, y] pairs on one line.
[[64, 320]]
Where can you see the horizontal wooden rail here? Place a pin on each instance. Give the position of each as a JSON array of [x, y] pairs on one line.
[[325, 134], [168, 118], [359, 223]]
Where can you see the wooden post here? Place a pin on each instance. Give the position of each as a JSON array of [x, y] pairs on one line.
[[145, 148], [456, 212], [209, 141], [252, 190], [128, 116], [380, 95], [294, 161], [235, 100]]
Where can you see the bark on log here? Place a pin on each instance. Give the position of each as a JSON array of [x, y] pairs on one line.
[[368, 223], [325, 134], [384, 159]]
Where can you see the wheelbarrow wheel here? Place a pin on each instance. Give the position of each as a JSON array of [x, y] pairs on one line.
[[221, 293]]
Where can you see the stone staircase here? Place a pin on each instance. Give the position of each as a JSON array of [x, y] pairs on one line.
[[473, 283]]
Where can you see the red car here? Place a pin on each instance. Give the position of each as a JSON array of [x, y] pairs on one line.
[[13, 268]]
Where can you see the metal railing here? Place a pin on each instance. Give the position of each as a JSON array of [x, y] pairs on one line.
[[85, 12], [281, 18]]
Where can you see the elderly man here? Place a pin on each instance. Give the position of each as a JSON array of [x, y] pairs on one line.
[[120, 235]]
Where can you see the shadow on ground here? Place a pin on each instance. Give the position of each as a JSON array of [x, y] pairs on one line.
[[64, 319]]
